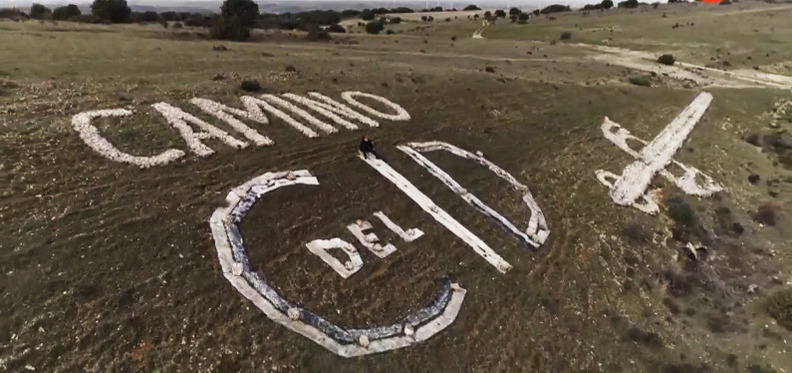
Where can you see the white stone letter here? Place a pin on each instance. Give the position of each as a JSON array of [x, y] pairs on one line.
[[179, 119], [286, 105], [91, 136], [332, 109], [401, 114], [320, 247], [226, 114]]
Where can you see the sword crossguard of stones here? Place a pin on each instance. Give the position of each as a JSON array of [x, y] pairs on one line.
[[630, 188]]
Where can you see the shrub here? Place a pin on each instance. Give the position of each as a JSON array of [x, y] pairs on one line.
[[317, 33], [768, 213], [500, 13], [38, 11], [514, 11], [395, 20], [681, 212], [374, 27], [635, 233], [641, 81], [607, 4], [566, 35], [66, 12], [336, 28], [648, 339], [177, 25], [487, 14], [725, 2], [666, 59], [780, 308], [115, 11], [250, 86], [523, 17]]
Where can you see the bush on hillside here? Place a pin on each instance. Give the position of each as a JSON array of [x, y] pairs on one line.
[[681, 212], [640, 81], [374, 27], [666, 59], [250, 86], [336, 28], [317, 33], [780, 308]]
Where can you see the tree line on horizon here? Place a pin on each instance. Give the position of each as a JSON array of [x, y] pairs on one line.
[[238, 17]]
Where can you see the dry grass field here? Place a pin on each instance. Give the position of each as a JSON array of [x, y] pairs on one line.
[[108, 267]]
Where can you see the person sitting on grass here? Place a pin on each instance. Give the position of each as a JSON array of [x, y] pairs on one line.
[[367, 147]]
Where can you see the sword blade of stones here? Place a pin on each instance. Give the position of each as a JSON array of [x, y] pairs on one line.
[[479, 246], [656, 155]]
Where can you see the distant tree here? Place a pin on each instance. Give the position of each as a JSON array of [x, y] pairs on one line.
[[555, 8], [374, 27], [115, 11], [350, 13], [223, 28], [144, 17], [242, 12], [487, 14], [514, 11], [401, 10], [471, 7], [38, 11], [523, 17], [171, 16], [235, 20], [65, 12], [500, 13], [513, 18], [607, 4], [367, 15], [436, 9]]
